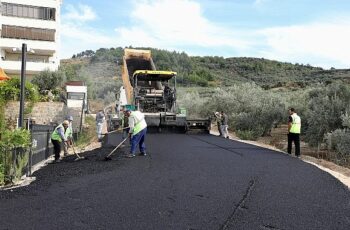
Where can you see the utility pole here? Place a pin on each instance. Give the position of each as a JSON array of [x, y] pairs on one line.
[[23, 83]]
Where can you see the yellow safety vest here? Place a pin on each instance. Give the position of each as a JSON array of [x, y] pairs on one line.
[[296, 124], [56, 136], [139, 122], [69, 132]]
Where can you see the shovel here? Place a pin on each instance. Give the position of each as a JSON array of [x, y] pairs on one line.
[[108, 157]]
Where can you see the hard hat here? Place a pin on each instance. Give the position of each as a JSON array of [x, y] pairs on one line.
[[70, 118], [65, 122]]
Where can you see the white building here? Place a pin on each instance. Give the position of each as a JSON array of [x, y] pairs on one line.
[[36, 23]]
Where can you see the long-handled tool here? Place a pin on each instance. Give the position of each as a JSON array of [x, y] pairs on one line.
[[117, 130], [108, 157], [78, 157]]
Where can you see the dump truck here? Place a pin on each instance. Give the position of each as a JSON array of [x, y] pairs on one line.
[[153, 92]]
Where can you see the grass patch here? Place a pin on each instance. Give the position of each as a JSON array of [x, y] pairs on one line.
[[88, 134]]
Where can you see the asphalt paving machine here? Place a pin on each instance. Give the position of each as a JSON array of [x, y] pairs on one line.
[[153, 92]]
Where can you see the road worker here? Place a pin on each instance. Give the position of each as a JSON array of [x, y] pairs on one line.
[[137, 132], [217, 117], [224, 124], [59, 134], [294, 128], [125, 124], [100, 119], [69, 135]]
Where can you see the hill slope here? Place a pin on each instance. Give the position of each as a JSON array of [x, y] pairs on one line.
[[99, 67]]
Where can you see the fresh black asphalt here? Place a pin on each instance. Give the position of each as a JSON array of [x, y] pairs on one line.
[[186, 182]]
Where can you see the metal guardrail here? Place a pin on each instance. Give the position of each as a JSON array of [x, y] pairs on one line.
[[41, 143]]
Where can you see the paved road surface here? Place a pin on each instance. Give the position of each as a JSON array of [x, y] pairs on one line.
[[187, 182]]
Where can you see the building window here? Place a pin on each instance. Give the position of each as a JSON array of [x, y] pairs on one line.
[[27, 33], [24, 11], [75, 96]]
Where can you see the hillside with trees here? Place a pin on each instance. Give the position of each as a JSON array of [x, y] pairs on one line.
[[202, 71]]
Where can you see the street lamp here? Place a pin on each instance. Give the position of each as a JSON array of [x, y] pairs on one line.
[[23, 82]]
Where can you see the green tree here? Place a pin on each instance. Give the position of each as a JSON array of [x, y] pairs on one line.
[[48, 80]]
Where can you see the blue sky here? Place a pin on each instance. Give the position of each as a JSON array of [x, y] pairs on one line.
[[297, 31]]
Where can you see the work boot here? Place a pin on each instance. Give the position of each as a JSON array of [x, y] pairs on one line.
[[130, 155]]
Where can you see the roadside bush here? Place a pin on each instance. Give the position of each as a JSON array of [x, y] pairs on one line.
[[194, 104], [326, 107], [13, 144], [252, 111], [339, 140], [248, 127], [48, 80], [247, 134], [88, 134], [15, 138], [10, 90], [250, 108]]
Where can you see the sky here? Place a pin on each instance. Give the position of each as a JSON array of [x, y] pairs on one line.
[[314, 32]]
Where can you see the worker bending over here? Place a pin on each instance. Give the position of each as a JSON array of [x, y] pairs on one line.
[[137, 132], [60, 134], [224, 124], [217, 118], [69, 134], [100, 119]]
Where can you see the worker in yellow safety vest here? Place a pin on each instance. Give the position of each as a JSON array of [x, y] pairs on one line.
[[294, 127], [137, 132], [60, 134]]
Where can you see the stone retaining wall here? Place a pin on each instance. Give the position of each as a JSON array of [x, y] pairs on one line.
[[44, 112]]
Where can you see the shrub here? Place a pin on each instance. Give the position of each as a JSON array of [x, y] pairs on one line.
[[338, 140], [247, 134], [10, 90], [48, 80], [13, 143], [88, 134], [250, 109], [326, 107], [15, 138]]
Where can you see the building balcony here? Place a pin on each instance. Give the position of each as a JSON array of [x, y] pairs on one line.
[[40, 47], [14, 67], [25, 22]]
